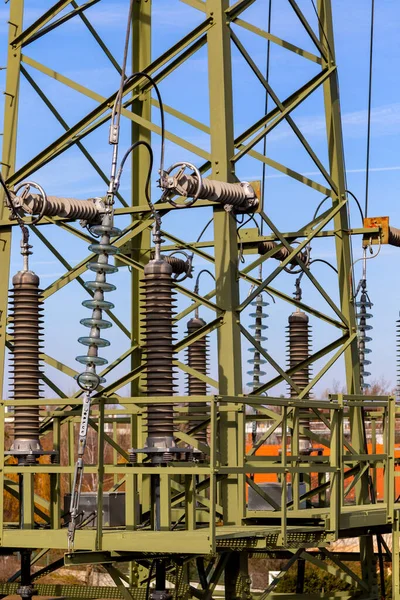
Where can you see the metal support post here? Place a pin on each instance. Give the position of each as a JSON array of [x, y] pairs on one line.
[[237, 580], [226, 253], [141, 58], [9, 145], [8, 157], [26, 500], [55, 480], [344, 265], [26, 590], [396, 559]]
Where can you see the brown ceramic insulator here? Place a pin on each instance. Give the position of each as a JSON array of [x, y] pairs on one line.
[[394, 236], [26, 326], [241, 196], [158, 297], [197, 358], [281, 254], [68, 208], [179, 266], [299, 346]]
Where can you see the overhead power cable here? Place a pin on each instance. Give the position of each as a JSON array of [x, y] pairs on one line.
[[371, 55]]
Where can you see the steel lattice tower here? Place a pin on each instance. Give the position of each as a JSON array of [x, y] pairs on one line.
[[205, 524]]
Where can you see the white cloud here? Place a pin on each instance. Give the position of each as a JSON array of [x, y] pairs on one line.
[[116, 14], [311, 173], [385, 120]]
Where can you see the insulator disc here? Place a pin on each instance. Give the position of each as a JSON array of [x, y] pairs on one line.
[[100, 323], [103, 304], [364, 338], [253, 384], [108, 249], [100, 285], [94, 341], [364, 327], [89, 380], [102, 268], [103, 229], [91, 360], [259, 373]]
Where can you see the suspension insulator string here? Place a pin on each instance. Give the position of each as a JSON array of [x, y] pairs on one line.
[[363, 304], [104, 249], [89, 380], [256, 361], [258, 326]]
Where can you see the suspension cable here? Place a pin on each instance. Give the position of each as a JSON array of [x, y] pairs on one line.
[[322, 29], [267, 69], [117, 108], [14, 212], [371, 55]]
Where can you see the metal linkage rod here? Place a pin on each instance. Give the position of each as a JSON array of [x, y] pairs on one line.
[[79, 469]]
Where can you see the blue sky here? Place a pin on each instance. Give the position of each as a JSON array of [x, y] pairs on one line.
[[72, 52]]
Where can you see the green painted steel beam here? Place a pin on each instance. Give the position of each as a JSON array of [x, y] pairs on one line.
[[277, 40], [204, 494], [175, 56], [23, 37], [33, 33], [300, 97], [279, 104]]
